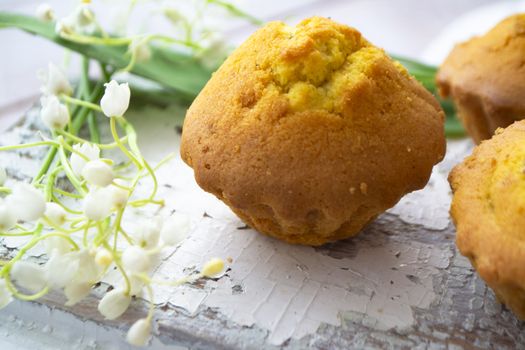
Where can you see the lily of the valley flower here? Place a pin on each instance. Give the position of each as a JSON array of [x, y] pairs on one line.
[[53, 113], [55, 213], [119, 197], [55, 82], [27, 202], [114, 304], [3, 175], [89, 150], [147, 234], [7, 217], [97, 204], [61, 269], [56, 245], [98, 173], [136, 260], [29, 275], [103, 257], [139, 332], [75, 292], [115, 101], [213, 267], [175, 229], [45, 13]]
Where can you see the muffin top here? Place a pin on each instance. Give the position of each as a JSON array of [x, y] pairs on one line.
[[304, 129], [488, 207], [491, 67]]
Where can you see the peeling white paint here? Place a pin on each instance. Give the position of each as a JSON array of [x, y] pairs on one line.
[[284, 289]]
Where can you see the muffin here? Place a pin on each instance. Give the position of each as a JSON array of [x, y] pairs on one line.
[[485, 77], [308, 133], [488, 209]]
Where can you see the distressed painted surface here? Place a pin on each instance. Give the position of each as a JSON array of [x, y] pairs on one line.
[[401, 283]]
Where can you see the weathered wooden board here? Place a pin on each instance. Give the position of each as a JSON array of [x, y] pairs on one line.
[[400, 284]]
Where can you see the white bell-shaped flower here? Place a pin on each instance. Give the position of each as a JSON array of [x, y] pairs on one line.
[[98, 173], [175, 229], [114, 304], [119, 197], [5, 294], [136, 283], [3, 175], [139, 333], [83, 16], [44, 12], [97, 204], [53, 113], [89, 270], [55, 213], [26, 202], [136, 260], [103, 257], [213, 267], [29, 275], [61, 269], [55, 81], [7, 216], [147, 233], [89, 150], [56, 245], [75, 292], [115, 101]]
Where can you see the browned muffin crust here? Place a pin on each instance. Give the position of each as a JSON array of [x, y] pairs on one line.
[[485, 77], [488, 209], [308, 133]]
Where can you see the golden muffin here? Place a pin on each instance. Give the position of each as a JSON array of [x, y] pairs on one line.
[[488, 209], [485, 77], [309, 132]]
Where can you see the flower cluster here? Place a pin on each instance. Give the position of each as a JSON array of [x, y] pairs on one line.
[[80, 225]]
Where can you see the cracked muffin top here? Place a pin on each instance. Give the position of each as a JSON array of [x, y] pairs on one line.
[[309, 132]]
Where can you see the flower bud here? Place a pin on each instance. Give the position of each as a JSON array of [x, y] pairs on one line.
[[136, 260], [55, 81], [103, 257], [3, 175], [45, 13], [114, 304], [7, 217], [213, 267], [175, 229], [98, 173], [75, 292], [55, 213], [29, 275], [139, 333], [89, 150], [53, 113], [115, 101], [141, 50], [26, 202], [97, 204]]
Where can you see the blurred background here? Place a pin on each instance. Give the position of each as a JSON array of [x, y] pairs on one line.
[[423, 30]]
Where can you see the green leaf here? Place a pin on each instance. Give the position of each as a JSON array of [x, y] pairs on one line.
[[175, 70]]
